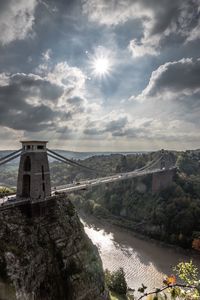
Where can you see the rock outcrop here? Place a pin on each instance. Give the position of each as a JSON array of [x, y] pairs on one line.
[[46, 255]]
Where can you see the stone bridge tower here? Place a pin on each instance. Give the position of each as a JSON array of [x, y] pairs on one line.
[[33, 176]]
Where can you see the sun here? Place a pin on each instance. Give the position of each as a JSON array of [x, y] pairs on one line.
[[101, 66], [101, 63]]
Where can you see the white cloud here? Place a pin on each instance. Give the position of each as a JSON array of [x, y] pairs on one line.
[[109, 12], [142, 48], [153, 132], [50, 102], [16, 20], [67, 76], [47, 55], [160, 20], [4, 79]]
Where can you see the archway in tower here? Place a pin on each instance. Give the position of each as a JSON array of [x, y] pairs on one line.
[[26, 186], [27, 164]]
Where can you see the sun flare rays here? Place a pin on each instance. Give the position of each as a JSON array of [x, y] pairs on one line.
[[101, 63]]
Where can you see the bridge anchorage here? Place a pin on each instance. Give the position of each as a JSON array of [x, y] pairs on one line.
[[34, 185]]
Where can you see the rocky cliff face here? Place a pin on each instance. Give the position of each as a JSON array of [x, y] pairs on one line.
[[46, 255]]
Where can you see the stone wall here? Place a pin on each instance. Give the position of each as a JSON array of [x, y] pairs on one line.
[[46, 254]]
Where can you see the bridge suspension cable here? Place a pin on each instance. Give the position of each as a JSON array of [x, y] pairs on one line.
[[57, 156], [10, 157], [59, 159], [150, 164], [63, 159], [11, 154]]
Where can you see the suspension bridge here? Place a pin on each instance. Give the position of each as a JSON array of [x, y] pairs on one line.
[[34, 184]]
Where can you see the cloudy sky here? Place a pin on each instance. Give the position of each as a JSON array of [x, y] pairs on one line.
[[100, 75]]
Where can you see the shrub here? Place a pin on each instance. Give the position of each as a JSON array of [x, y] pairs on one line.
[[116, 281], [100, 211]]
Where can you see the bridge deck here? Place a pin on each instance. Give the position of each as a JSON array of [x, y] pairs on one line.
[[82, 185]]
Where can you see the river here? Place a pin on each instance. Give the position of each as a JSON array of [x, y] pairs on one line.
[[144, 261]]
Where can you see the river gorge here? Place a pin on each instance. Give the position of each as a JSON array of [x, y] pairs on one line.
[[143, 260]]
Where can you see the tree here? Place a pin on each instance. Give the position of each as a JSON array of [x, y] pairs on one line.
[[116, 281]]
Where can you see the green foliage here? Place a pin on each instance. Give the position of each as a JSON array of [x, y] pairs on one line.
[[188, 289], [115, 296], [8, 177], [71, 210], [116, 281], [89, 205], [171, 215], [188, 163], [99, 211], [4, 191], [187, 272], [107, 164]]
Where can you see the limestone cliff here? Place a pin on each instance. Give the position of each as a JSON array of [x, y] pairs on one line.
[[46, 255]]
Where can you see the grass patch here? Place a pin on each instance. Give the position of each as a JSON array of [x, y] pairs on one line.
[[114, 296]]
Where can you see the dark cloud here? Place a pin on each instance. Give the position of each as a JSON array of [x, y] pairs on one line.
[[179, 16], [179, 77], [21, 106], [47, 51], [113, 126], [77, 104], [65, 132], [34, 85], [160, 19], [75, 101], [93, 131], [137, 132], [116, 125]]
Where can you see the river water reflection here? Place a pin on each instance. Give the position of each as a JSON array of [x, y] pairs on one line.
[[144, 261]]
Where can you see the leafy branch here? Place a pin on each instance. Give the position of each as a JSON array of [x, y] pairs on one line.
[[172, 286], [189, 289]]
